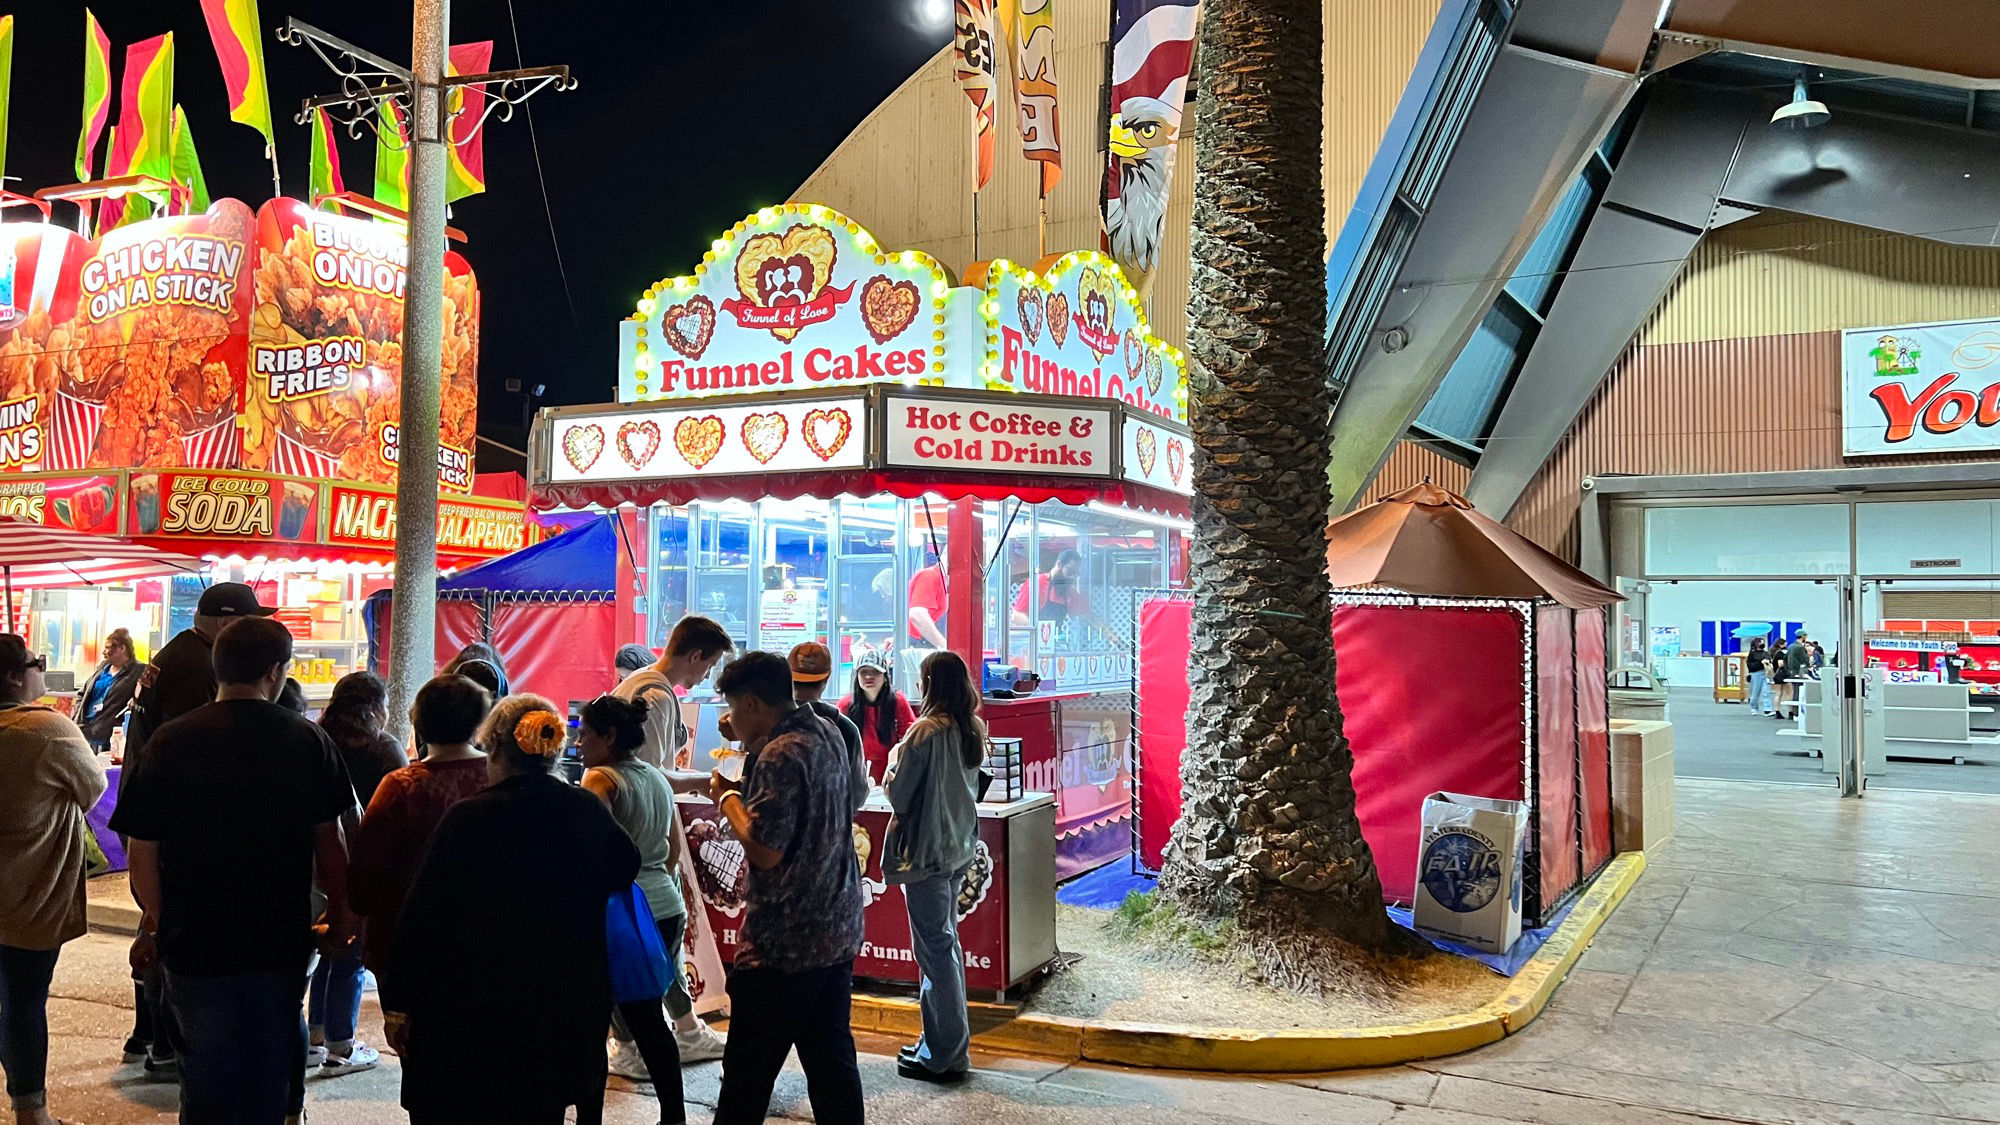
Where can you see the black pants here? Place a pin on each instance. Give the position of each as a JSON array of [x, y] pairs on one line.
[[24, 1022], [770, 1013], [647, 1021]]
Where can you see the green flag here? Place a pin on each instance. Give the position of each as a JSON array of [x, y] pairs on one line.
[[392, 158], [187, 165], [325, 158], [96, 94]]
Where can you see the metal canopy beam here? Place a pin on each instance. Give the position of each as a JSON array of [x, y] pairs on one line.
[[1538, 118], [1698, 159]]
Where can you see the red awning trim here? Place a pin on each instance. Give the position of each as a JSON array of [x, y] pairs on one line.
[[859, 482]]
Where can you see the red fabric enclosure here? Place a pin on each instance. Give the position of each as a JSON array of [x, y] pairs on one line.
[[1593, 708], [561, 650], [1555, 772], [458, 625], [1165, 631], [1432, 700]]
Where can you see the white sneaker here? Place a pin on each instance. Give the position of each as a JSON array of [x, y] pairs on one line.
[[315, 1055], [627, 1063], [700, 1045], [359, 1057]]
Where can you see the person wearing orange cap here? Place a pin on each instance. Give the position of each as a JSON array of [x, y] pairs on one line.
[[811, 665]]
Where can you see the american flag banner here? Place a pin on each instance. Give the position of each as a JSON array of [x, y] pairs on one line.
[[1151, 57]]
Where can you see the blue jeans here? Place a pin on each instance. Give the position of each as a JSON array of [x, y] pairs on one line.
[[1760, 692], [947, 1037], [24, 1023], [333, 1001], [243, 1040]]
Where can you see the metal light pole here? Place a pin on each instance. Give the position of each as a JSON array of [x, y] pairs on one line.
[[422, 89], [413, 613]]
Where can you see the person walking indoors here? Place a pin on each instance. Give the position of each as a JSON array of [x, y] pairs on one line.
[[49, 780], [180, 678], [356, 719], [801, 925], [408, 805], [504, 933], [933, 785], [811, 664], [232, 821], [693, 649], [612, 731], [1780, 681], [1755, 671], [1798, 658], [108, 692], [881, 712]]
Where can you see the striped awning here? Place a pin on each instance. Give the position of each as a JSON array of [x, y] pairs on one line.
[[36, 557]]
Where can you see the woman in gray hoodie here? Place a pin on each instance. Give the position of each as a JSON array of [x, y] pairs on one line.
[[932, 783]]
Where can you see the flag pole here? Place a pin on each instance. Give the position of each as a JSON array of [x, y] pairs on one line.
[[277, 188]]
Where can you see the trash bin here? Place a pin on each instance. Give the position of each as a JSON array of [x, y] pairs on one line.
[[1637, 694]]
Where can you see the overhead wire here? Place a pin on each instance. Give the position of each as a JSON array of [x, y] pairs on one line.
[[534, 142]]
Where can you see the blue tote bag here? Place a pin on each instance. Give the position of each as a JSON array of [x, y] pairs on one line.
[[641, 968]]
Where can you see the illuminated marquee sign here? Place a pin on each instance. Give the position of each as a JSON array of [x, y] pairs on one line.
[[799, 297], [1158, 455], [203, 505], [366, 517], [791, 297], [770, 437], [1015, 435]]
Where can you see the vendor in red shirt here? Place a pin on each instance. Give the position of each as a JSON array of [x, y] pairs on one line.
[[883, 713], [926, 616], [1059, 589]]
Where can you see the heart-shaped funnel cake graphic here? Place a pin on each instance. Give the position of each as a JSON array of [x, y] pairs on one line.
[[1149, 449], [826, 431], [888, 307], [699, 439], [1029, 304], [764, 435], [774, 271], [689, 326], [581, 446], [638, 441]]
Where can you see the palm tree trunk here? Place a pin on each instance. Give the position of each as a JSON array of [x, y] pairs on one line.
[[1268, 835]]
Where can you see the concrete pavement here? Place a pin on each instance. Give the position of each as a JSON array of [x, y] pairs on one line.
[[1787, 958]]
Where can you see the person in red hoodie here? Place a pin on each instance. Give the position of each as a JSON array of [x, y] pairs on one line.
[[883, 713]]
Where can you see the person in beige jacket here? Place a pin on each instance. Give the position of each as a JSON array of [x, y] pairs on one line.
[[48, 780]]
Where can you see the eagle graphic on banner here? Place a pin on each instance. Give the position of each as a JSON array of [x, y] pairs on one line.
[[1152, 55]]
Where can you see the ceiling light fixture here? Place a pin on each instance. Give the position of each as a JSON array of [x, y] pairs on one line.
[[1801, 112]]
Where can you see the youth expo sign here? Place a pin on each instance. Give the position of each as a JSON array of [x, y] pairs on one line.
[[1924, 388]]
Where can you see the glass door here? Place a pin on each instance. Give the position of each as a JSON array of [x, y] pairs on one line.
[[1746, 664]]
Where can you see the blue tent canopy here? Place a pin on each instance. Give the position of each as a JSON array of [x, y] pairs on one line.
[[580, 562]]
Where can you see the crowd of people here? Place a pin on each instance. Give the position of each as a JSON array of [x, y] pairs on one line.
[[1774, 670], [277, 861]]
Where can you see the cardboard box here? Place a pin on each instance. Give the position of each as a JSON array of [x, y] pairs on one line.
[[1469, 870]]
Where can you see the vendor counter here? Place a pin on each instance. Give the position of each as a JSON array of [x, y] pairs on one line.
[[1074, 744], [1006, 904]]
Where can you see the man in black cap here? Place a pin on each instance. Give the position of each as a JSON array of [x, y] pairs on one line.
[[182, 674], [180, 679]]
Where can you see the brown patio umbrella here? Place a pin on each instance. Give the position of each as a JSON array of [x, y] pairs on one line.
[[1426, 540]]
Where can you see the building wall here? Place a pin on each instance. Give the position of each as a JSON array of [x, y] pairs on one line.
[[1412, 463], [906, 171], [1738, 370]]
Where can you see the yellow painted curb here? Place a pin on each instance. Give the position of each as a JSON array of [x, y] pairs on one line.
[[1250, 1050]]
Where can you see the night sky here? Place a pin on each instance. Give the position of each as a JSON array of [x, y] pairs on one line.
[[688, 117]]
